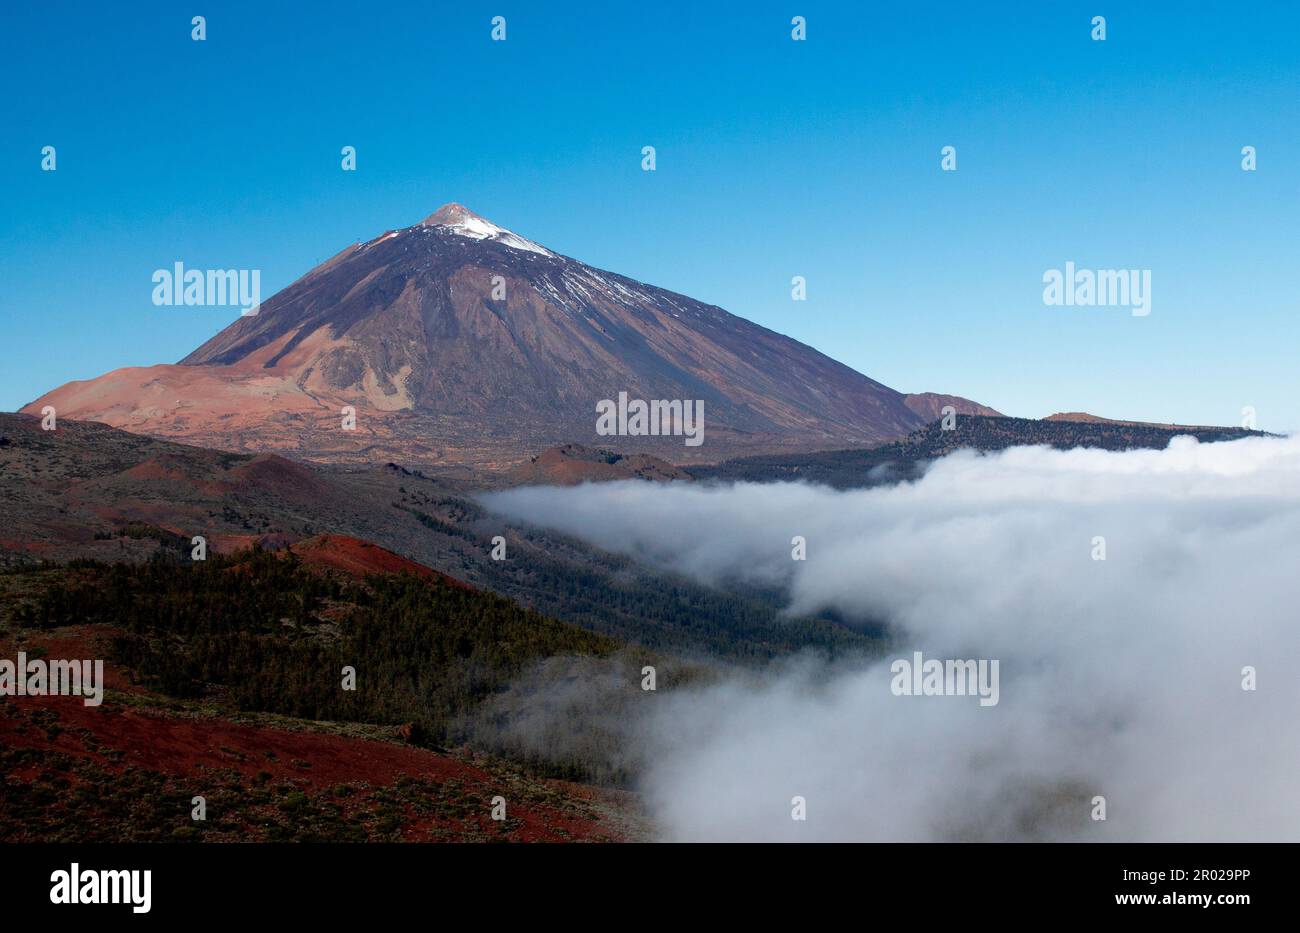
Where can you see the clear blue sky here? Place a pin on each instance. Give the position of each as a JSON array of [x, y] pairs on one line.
[[775, 158]]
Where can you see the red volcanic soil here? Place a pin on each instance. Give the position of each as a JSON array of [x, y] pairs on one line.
[[182, 747], [191, 747], [290, 480], [157, 468], [359, 558], [153, 740]]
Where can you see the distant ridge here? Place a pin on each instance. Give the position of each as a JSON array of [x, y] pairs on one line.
[[906, 459], [1082, 417]]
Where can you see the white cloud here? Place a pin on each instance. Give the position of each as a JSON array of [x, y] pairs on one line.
[[1119, 677]]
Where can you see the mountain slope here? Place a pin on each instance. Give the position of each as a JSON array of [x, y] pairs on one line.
[[930, 405], [457, 341], [573, 464], [91, 491]]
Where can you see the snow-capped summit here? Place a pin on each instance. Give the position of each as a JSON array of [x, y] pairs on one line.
[[461, 220], [441, 365]]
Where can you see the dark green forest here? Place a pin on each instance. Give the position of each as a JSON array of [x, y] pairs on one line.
[[267, 634]]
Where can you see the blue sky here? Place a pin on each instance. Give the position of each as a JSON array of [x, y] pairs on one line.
[[775, 158]]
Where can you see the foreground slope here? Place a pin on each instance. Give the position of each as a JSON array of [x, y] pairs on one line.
[[243, 706]]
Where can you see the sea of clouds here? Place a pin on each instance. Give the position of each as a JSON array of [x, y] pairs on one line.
[[1120, 678]]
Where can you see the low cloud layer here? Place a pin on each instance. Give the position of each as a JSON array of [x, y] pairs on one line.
[[1120, 677]]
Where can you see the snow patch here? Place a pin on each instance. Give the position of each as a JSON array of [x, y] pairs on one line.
[[466, 223]]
